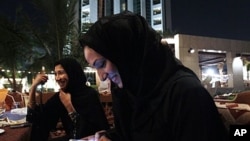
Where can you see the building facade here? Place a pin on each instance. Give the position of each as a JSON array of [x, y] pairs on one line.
[[156, 12], [159, 14]]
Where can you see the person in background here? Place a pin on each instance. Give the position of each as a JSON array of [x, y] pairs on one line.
[[156, 97], [76, 105], [104, 87]]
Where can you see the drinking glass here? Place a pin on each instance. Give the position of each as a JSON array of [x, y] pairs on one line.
[[26, 100], [16, 105], [2, 107]]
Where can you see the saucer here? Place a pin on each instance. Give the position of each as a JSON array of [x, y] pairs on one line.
[[2, 131]]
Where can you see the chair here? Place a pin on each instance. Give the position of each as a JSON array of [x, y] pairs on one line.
[[106, 100], [44, 97], [3, 94], [236, 110], [14, 99]]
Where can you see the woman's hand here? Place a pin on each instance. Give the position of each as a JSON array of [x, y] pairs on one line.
[[99, 136], [66, 101], [40, 78], [103, 138]]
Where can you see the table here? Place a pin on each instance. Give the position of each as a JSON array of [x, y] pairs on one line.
[[15, 134], [234, 113]]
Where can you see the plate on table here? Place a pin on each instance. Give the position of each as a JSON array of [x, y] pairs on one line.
[[1, 115], [2, 111], [2, 131]]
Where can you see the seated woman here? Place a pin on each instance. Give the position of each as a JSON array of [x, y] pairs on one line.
[[76, 105]]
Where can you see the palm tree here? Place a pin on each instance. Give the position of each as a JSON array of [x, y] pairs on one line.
[[168, 33], [59, 35], [36, 40], [13, 49]]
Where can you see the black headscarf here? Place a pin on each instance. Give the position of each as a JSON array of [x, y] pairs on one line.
[[148, 72], [144, 63], [134, 47], [77, 79]]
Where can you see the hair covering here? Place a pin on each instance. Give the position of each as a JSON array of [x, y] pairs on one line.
[[77, 78], [134, 47], [146, 67], [144, 63]]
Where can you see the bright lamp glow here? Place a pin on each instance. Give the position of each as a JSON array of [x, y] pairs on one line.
[[210, 71], [191, 50]]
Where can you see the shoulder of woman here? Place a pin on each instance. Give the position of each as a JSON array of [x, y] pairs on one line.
[[91, 90]]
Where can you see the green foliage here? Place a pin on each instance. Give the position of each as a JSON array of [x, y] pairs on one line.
[[59, 34], [85, 27], [14, 45], [168, 33], [34, 40]]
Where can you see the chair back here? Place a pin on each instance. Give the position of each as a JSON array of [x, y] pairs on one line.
[[106, 100], [3, 94]]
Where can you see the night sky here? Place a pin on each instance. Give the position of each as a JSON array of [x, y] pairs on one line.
[[216, 18], [7, 7]]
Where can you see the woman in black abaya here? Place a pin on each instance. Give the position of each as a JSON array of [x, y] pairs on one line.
[[155, 97], [76, 105]]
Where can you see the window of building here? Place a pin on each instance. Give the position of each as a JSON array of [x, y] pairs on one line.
[[85, 14], [85, 2], [157, 21], [156, 11], [124, 5], [156, 2]]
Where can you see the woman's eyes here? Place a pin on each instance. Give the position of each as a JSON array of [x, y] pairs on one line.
[[100, 63], [60, 73]]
